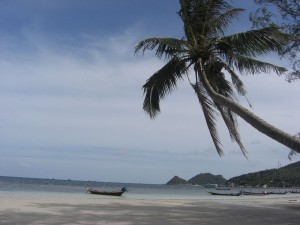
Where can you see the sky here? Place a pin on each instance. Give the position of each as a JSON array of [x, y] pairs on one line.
[[71, 98]]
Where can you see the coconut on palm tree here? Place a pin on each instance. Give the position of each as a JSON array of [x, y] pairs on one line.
[[207, 57]]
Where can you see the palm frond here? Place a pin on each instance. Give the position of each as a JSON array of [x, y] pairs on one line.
[[162, 83], [185, 13], [253, 66], [165, 46], [217, 79], [197, 16], [254, 43], [238, 84], [209, 115], [231, 124], [220, 23]]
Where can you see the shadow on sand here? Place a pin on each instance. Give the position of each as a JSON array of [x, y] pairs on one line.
[[136, 214]]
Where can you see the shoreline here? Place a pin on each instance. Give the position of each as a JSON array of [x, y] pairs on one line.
[[91, 209]]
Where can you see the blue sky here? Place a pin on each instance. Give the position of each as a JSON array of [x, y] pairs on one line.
[[71, 98]]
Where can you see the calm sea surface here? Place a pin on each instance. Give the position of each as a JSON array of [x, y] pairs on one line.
[[72, 188], [54, 186]]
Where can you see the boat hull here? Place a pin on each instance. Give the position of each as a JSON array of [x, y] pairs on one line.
[[255, 193], [224, 194], [278, 193], [110, 193]]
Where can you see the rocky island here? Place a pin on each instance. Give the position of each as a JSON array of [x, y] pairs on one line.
[[287, 176], [200, 179]]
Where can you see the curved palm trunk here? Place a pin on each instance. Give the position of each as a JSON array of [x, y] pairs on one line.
[[258, 123]]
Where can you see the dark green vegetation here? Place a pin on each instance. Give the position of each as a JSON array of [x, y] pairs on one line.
[[200, 179], [288, 176], [212, 62], [177, 180], [207, 178], [289, 13]]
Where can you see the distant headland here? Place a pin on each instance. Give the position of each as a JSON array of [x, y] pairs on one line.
[[287, 176]]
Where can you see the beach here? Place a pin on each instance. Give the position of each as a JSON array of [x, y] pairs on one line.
[[55, 209]]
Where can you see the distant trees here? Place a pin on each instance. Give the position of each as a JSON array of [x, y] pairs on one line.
[[287, 16], [282, 177]]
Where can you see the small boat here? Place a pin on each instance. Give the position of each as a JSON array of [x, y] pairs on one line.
[[223, 188], [255, 193], [277, 193], [295, 191], [111, 193], [225, 194]]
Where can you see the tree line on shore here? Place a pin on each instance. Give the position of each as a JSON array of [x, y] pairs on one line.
[[287, 176]]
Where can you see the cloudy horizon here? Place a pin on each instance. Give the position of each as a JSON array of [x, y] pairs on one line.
[[71, 99]]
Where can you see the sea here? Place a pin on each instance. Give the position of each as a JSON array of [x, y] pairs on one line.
[[9, 185], [74, 188]]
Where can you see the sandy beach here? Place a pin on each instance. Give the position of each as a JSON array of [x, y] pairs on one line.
[[90, 209]]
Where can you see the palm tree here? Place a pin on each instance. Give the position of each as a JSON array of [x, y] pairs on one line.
[[212, 57]]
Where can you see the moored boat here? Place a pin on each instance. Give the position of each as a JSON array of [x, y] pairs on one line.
[[255, 193], [111, 193], [277, 192], [295, 191], [223, 188], [225, 194]]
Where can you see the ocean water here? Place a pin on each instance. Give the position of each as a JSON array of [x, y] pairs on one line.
[[73, 188], [10, 185]]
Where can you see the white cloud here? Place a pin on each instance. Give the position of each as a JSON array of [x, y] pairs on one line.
[[62, 97]]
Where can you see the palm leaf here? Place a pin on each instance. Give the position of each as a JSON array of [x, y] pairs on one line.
[[165, 46], [220, 23], [231, 123], [218, 81], [205, 18], [254, 43], [185, 13], [162, 83], [253, 66], [209, 115], [239, 86]]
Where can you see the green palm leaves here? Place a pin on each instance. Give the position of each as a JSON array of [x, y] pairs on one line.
[[213, 57], [168, 47], [162, 83]]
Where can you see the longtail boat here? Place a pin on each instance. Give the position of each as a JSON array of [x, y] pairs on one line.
[[225, 194], [295, 191], [277, 192], [111, 193], [255, 193]]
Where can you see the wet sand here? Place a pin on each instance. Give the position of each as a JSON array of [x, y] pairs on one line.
[[90, 209]]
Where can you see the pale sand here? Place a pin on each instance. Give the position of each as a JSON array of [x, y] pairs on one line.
[[90, 209]]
